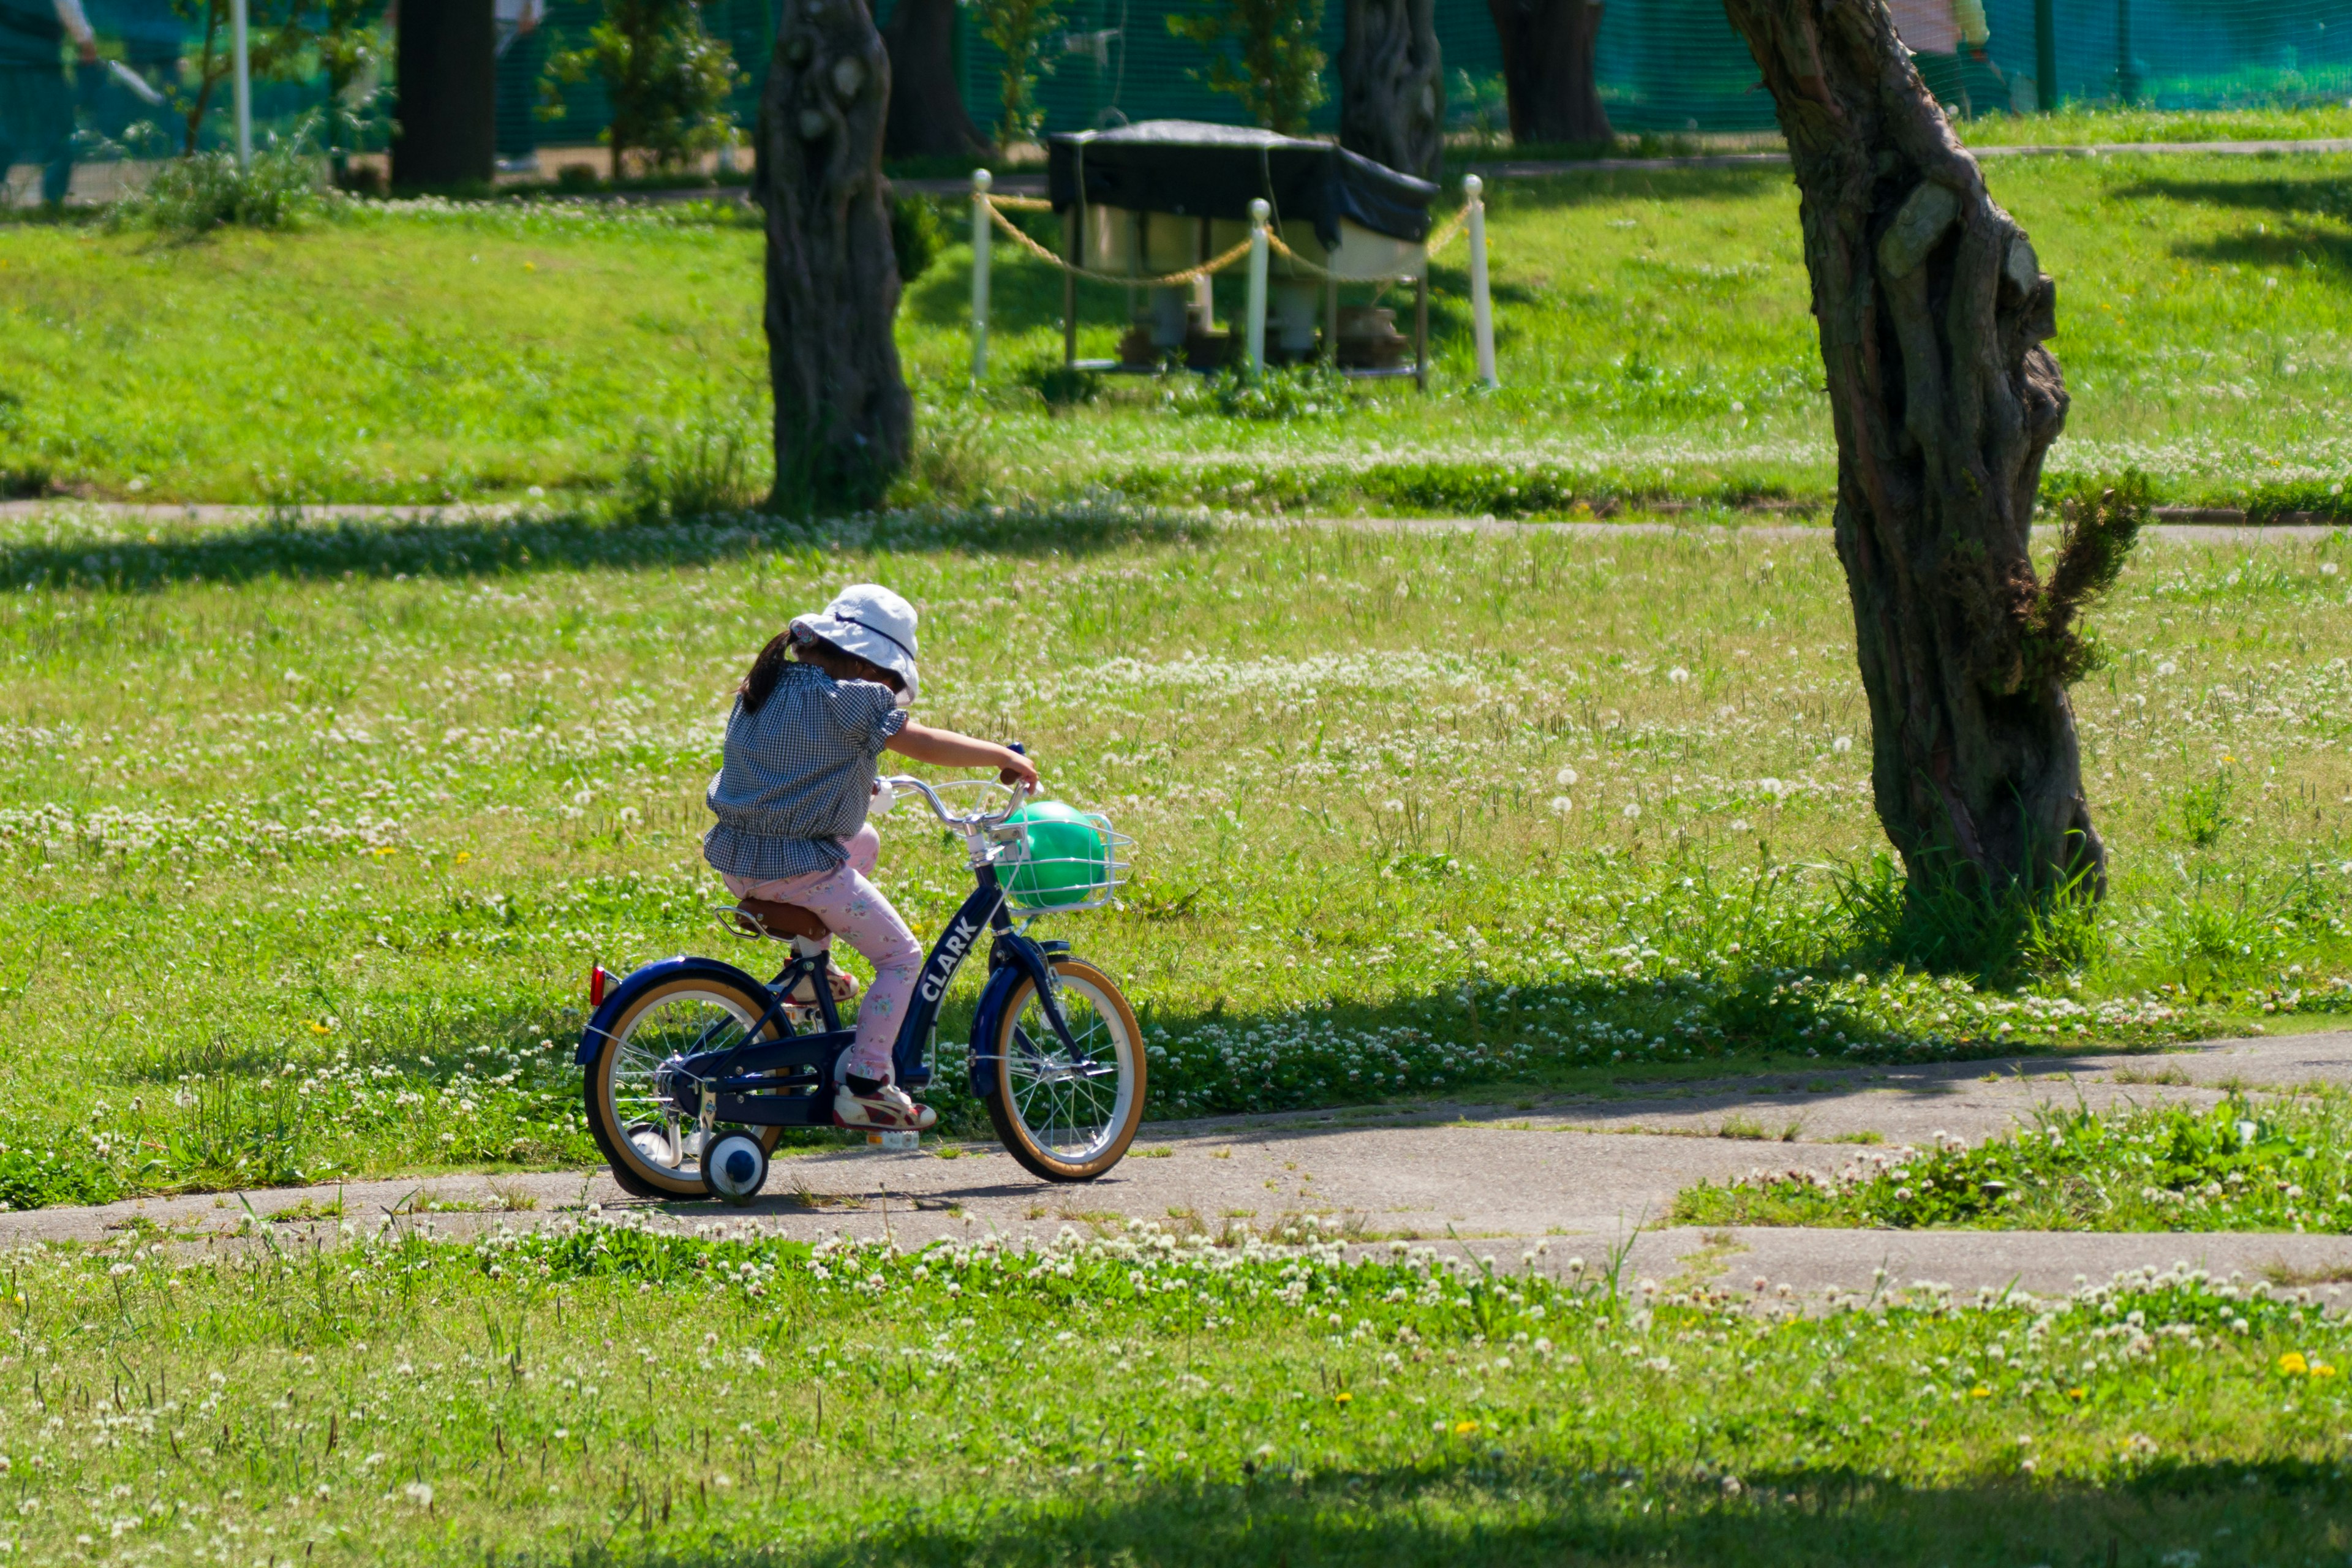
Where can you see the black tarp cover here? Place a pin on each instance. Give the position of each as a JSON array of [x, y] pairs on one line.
[[1198, 169]]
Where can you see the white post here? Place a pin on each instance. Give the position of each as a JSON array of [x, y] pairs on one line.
[[243, 68], [981, 180], [1482, 305], [1259, 212]]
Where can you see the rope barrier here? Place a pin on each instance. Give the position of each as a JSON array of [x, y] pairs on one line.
[[1435, 243], [1168, 280]]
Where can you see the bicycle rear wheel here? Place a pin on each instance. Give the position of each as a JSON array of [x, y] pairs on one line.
[[652, 1153], [1065, 1115]]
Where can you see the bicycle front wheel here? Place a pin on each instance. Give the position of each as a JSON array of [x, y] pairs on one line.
[[1068, 1116]]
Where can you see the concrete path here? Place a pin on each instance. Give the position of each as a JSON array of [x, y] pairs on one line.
[[1034, 184], [1545, 168], [1586, 1174], [2201, 524]]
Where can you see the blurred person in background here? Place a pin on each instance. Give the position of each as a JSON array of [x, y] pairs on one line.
[[1935, 32], [37, 106], [521, 54], [152, 35]]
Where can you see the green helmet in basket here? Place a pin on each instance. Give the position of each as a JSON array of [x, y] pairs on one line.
[[1068, 857]]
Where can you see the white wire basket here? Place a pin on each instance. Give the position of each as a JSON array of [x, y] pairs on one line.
[[1061, 863]]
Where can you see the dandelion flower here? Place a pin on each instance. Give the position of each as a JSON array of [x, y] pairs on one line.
[[1678, 675], [1565, 776], [2292, 1364], [1632, 810], [1464, 1428], [1843, 743], [1561, 806]]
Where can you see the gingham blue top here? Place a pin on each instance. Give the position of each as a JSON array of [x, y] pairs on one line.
[[798, 775]]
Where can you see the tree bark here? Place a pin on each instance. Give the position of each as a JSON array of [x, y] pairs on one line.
[[1392, 85], [1933, 311], [844, 417], [1547, 61], [927, 112], [446, 118]]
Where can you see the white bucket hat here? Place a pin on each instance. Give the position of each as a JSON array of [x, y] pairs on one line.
[[874, 624]]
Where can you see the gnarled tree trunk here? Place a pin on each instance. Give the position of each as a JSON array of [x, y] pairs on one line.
[[1392, 85], [927, 113], [1932, 312], [844, 417], [1547, 59]]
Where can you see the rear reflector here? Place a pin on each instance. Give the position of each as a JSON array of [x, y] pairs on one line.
[[598, 983]]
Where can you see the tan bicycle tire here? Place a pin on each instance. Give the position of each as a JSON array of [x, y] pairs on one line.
[[1014, 1132], [634, 1174]]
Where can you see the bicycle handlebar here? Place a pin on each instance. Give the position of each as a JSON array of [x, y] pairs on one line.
[[901, 783]]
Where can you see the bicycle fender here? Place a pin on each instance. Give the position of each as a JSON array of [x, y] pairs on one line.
[[1024, 960], [643, 979], [986, 1022]]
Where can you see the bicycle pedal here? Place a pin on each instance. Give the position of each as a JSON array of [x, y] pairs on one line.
[[896, 1142]]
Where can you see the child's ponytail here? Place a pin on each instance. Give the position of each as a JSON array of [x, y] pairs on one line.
[[794, 644], [759, 682]]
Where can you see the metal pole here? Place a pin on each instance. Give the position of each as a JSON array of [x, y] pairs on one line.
[[243, 68], [1074, 249], [1421, 329], [1482, 306], [1259, 212], [981, 180], [2045, 55]]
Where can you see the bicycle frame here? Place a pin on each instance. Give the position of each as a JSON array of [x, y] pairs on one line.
[[787, 1080]]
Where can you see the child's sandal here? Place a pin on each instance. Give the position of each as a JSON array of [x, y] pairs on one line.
[[844, 988], [887, 1110]]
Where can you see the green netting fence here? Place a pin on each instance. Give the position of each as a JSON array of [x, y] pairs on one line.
[[1665, 66]]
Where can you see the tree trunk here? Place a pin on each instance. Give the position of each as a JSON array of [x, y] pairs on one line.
[[927, 112], [446, 120], [1392, 85], [843, 418], [1932, 312], [1547, 59]]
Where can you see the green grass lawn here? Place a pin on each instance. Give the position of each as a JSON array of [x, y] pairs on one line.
[[1653, 330], [2260, 1163], [2089, 124], [308, 834], [610, 1396]]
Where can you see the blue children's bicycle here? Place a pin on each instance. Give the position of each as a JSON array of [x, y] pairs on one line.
[[694, 1066]]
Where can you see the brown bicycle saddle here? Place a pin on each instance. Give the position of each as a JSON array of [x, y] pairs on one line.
[[766, 917]]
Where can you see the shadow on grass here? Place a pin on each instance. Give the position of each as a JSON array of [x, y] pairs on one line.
[[2296, 203], [2313, 195], [2329, 251], [2213, 1514], [290, 546]]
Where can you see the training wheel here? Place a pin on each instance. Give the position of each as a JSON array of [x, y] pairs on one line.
[[736, 1167]]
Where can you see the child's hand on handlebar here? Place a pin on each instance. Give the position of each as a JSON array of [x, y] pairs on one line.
[[946, 749]]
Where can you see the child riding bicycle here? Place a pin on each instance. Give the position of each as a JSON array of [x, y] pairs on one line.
[[822, 701]]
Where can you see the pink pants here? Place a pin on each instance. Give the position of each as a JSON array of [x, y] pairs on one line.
[[855, 908]]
